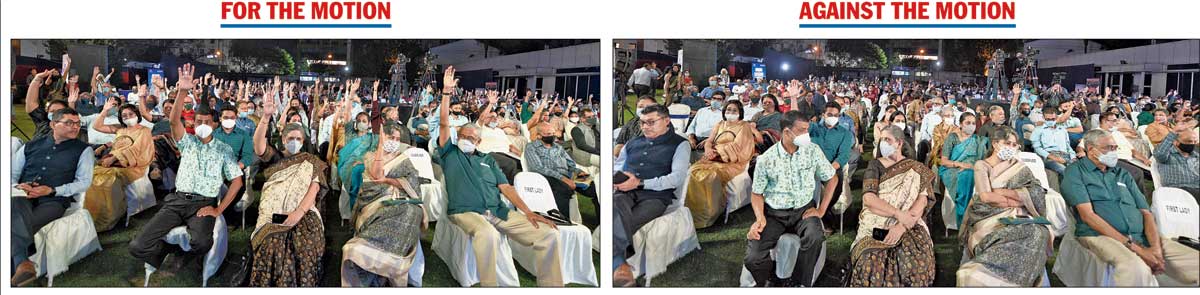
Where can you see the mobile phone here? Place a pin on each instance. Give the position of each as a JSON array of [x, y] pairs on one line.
[[278, 218], [879, 234], [620, 177]]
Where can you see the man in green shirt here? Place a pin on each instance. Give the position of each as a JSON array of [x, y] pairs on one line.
[[1114, 222], [474, 184]]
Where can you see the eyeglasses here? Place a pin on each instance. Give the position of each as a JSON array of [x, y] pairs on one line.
[[71, 123], [648, 123], [1107, 148]]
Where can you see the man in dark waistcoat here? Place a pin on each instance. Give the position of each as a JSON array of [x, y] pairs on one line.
[[50, 170], [649, 169]]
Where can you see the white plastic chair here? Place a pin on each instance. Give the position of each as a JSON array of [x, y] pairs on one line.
[[1177, 215], [212, 260], [680, 113], [664, 240], [1057, 211], [433, 194], [575, 242], [64, 241], [573, 203], [1155, 177]]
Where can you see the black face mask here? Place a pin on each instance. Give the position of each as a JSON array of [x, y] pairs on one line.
[[1187, 148], [1025, 113], [548, 139]]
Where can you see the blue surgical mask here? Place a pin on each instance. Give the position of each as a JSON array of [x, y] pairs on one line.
[[716, 104]]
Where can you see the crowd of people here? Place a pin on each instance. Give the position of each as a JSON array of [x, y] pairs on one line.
[[203, 140], [924, 140]]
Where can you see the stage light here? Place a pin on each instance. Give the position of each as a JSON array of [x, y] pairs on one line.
[[347, 68], [921, 51], [784, 66]]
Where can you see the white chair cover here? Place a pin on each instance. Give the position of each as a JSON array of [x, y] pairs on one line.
[[949, 217], [1057, 210], [215, 256], [65, 241], [454, 246], [737, 192], [1155, 177], [433, 194], [575, 242], [784, 254], [679, 116], [664, 239], [139, 196], [1076, 267]]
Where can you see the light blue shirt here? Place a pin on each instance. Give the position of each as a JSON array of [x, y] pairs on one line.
[[1051, 137], [705, 120], [83, 172], [679, 168]]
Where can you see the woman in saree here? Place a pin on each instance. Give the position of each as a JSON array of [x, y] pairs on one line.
[[126, 159], [892, 247], [388, 218], [939, 136], [726, 154], [960, 150], [1000, 250], [287, 253], [350, 169], [768, 118]]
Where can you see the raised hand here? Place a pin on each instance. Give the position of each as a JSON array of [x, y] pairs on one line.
[[73, 94], [449, 82], [185, 78], [375, 86], [493, 96]]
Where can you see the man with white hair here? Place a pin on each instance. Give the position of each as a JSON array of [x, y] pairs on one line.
[[474, 185], [1113, 219]]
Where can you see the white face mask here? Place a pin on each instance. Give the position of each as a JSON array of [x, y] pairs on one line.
[[886, 149], [831, 121], [293, 146], [574, 120], [391, 146], [228, 123], [1109, 159], [1007, 153], [203, 131], [493, 124], [731, 117], [131, 121], [466, 146], [968, 129], [802, 139], [901, 125]]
